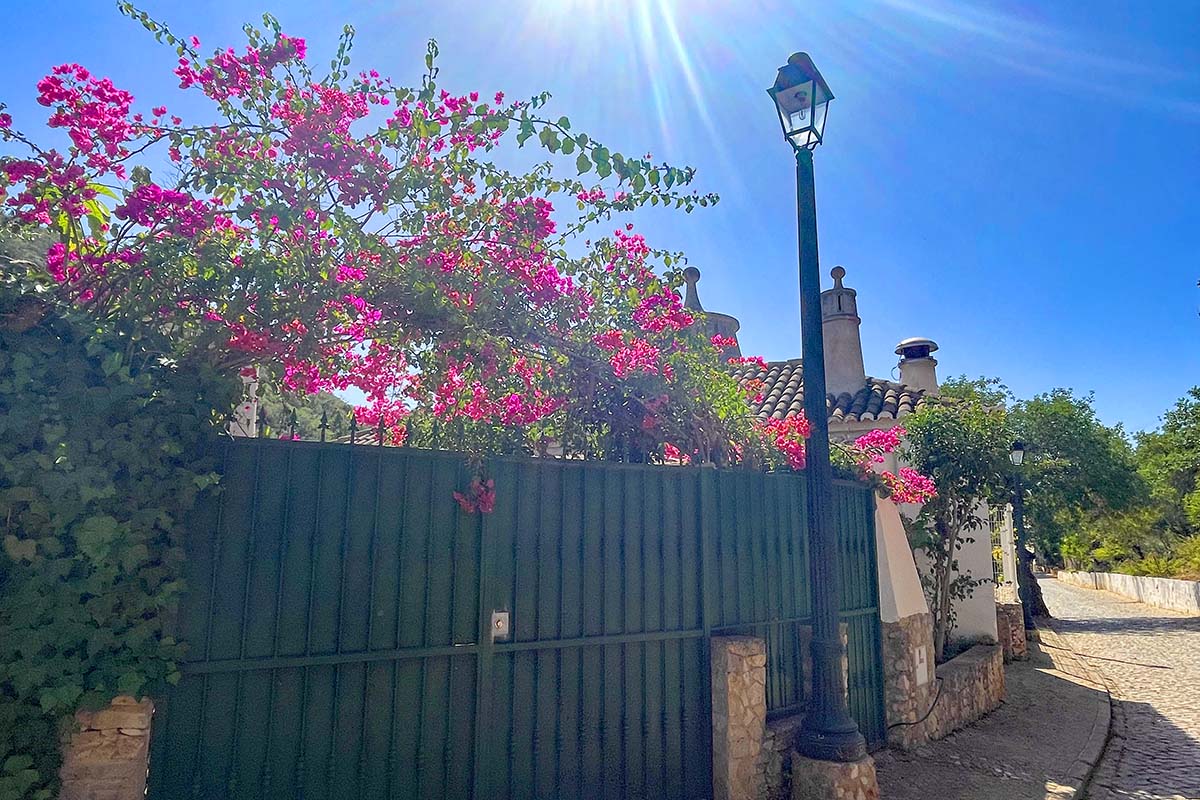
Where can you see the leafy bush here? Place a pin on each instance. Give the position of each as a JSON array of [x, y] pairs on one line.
[[98, 464], [1187, 559], [1152, 566], [1076, 551]]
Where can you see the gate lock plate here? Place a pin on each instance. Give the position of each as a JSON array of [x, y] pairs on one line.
[[500, 626]]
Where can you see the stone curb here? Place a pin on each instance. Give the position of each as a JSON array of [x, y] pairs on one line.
[[1089, 756]]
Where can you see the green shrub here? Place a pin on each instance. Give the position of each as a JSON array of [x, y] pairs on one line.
[[1153, 566], [101, 455], [1187, 558]]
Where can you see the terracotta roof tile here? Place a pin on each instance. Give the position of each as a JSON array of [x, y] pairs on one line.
[[783, 395]]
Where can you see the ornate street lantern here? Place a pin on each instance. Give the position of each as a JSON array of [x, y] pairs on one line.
[[1017, 454], [828, 732], [802, 99]]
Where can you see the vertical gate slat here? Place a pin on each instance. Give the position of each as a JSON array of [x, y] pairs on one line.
[[547, 627], [594, 599], [570, 599], [655, 536]]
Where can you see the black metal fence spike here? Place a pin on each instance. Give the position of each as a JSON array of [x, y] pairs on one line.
[[262, 421], [379, 431], [353, 427], [324, 425], [293, 420]]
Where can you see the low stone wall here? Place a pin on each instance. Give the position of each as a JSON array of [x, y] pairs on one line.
[[908, 677], [106, 758], [1168, 593], [777, 756], [971, 685], [1010, 631]]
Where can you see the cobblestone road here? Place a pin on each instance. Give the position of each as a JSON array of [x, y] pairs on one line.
[[1150, 658]]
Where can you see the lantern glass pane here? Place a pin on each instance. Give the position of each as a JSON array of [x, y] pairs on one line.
[[818, 123], [795, 99], [804, 138]]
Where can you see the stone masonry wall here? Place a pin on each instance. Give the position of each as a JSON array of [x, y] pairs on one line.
[[106, 758], [777, 756], [908, 679], [833, 780], [972, 684], [751, 756], [1010, 631]]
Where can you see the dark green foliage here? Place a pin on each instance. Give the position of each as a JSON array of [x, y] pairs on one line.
[[98, 464], [1169, 461], [988, 392], [1077, 469], [1160, 534]]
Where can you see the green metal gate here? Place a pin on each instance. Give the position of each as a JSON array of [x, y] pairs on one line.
[[339, 611]]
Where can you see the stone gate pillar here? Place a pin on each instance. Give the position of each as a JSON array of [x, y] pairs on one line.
[[739, 716], [107, 757]]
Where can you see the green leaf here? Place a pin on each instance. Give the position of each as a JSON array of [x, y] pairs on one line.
[[130, 683], [111, 363], [583, 163], [549, 139], [17, 763], [525, 131], [96, 535], [20, 549]]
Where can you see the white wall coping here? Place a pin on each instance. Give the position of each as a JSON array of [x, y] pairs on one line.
[[1169, 593]]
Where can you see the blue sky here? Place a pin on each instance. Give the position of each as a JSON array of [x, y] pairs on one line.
[[1018, 181]]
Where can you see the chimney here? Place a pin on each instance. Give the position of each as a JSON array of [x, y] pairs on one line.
[[714, 324], [918, 368], [844, 371]]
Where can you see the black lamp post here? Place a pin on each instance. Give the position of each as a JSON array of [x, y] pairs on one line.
[[829, 732], [1024, 572]]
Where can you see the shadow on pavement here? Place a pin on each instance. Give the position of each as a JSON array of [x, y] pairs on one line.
[[1091, 657], [1022, 751], [1147, 757], [1132, 625]]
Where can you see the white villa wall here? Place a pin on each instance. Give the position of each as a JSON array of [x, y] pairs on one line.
[[900, 593], [1170, 593], [975, 616]]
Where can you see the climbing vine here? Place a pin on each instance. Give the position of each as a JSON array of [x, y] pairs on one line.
[[101, 456]]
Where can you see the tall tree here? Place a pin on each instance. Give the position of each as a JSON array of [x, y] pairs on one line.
[[1169, 461], [1076, 467]]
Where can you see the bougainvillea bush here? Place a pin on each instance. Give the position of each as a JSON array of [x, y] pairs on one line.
[[345, 232]]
